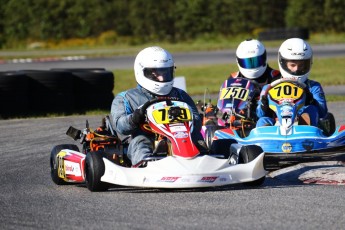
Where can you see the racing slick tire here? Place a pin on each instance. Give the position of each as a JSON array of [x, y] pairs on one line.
[[94, 170], [327, 124], [50, 91], [209, 134], [93, 87], [247, 154], [220, 146], [54, 163]]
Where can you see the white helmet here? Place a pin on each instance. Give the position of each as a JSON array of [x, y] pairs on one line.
[[298, 50], [251, 58], [150, 63]]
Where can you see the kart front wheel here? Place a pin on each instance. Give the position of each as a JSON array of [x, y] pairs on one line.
[[94, 170], [54, 164], [247, 154], [209, 134]]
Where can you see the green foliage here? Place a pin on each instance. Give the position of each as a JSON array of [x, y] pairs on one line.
[[316, 15], [334, 15], [305, 13], [142, 21]]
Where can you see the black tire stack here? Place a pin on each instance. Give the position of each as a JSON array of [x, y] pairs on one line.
[[93, 88], [14, 88], [50, 91], [66, 91]]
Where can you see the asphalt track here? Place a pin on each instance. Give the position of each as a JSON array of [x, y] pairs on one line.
[[30, 200]]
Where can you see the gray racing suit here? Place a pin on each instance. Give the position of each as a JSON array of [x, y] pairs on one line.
[[141, 144]]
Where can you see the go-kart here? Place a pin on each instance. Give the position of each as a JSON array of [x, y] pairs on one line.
[[103, 161], [235, 110], [287, 142]]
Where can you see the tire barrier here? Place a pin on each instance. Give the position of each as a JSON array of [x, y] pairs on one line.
[[284, 33], [93, 88], [39, 92], [50, 91], [13, 94]]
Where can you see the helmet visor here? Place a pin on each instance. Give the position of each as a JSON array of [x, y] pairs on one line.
[[160, 74], [296, 67], [253, 62]]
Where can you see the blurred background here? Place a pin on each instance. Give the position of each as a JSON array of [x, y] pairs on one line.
[[51, 24], [67, 35]]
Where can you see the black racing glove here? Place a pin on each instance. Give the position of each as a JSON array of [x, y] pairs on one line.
[[138, 117], [264, 104]]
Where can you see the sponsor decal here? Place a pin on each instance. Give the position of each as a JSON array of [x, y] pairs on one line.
[[286, 114], [180, 135], [286, 147], [72, 168], [225, 179], [297, 54], [308, 145], [285, 100], [188, 179], [169, 179], [208, 179], [179, 128]]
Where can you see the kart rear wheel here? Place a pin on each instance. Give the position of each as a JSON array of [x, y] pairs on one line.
[[247, 154], [327, 124], [54, 167], [94, 170]]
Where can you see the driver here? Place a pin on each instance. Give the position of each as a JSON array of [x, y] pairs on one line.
[[295, 60], [154, 72], [251, 57]]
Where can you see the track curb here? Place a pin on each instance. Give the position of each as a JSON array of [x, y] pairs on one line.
[[323, 173]]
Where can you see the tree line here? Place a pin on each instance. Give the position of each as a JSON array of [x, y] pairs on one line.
[[168, 20]]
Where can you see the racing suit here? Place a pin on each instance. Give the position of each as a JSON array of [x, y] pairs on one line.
[[315, 107], [141, 145]]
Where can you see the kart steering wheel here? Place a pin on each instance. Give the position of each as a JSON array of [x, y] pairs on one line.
[[276, 82], [155, 100], [298, 83]]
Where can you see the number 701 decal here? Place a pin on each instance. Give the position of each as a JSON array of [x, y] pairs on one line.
[[286, 91]]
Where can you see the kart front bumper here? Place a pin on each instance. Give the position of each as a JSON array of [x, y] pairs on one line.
[[275, 161], [174, 172]]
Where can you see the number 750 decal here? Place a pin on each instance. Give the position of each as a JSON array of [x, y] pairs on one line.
[[234, 92]]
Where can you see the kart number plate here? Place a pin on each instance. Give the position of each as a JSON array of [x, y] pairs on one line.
[[285, 90], [162, 116], [234, 92]]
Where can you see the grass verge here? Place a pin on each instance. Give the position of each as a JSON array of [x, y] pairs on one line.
[[327, 71]]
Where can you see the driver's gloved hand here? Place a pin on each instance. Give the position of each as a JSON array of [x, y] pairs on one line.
[[138, 117], [264, 104]]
